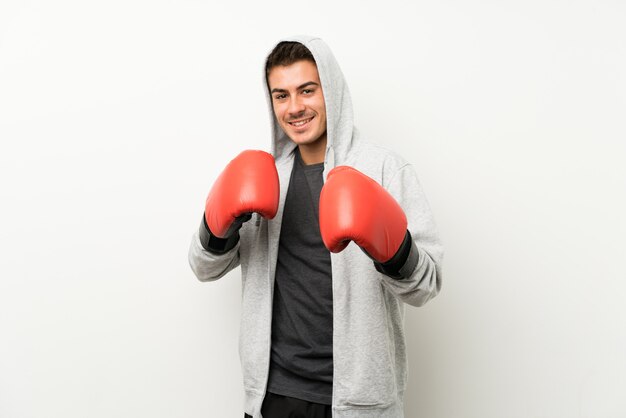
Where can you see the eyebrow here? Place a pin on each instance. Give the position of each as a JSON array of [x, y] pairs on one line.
[[301, 86]]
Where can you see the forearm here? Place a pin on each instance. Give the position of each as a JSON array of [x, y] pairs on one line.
[[208, 265]]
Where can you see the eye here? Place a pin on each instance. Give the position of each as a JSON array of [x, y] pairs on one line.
[[279, 96], [307, 90]]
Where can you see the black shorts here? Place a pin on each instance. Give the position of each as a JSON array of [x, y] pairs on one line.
[[279, 406]]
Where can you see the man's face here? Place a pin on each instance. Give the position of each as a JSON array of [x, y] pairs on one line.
[[298, 101]]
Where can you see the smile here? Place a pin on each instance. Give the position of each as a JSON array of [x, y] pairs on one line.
[[301, 123]]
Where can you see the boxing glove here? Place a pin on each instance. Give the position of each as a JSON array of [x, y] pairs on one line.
[[354, 207], [248, 184]]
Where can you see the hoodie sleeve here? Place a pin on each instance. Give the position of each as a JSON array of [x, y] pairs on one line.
[[209, 266], [425, 281]]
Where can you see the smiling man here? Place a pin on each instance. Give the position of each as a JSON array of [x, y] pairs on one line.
[[300, 108], [322, 321]]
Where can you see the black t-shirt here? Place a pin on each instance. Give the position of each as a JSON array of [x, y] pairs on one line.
[[301, 364]]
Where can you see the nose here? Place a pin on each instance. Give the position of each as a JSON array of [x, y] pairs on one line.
[[296, 107]]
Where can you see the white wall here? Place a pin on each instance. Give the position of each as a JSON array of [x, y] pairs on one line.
[[116, 117]]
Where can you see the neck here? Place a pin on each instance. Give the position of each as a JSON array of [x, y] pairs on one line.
[[313, 153]]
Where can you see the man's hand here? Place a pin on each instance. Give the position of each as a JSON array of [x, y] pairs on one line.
[[248, 184], [354, 207]]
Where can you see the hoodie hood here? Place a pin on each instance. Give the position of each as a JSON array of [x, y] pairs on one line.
[[340, 130]]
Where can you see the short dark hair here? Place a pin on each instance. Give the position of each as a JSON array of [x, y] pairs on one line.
[[286, 53]]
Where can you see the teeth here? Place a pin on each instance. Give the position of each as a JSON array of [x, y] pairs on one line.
[[301, 122]]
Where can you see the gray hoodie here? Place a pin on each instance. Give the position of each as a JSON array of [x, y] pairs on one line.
[[369, 354]]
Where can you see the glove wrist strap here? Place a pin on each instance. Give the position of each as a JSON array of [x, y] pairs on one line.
[[403, 263], [214, 244]]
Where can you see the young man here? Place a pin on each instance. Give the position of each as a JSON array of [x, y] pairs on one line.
[[321, 331]]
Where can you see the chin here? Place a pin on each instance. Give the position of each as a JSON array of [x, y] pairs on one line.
[[304, 141]]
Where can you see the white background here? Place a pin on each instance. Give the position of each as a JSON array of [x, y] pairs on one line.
[[116, 117]]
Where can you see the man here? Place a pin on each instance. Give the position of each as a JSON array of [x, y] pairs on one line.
[[321, 331]]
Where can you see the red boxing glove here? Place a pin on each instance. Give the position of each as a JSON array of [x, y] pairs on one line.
[[249, 183], [355, 207]]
